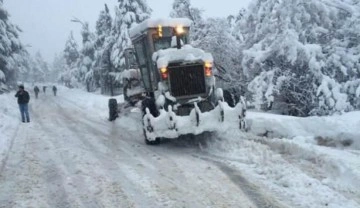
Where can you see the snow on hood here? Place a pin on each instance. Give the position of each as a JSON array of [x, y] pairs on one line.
[[153, 23], [186, 53]]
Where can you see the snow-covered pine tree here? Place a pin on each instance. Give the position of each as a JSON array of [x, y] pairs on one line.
[[70, 74], [87, 57], [129, 12], [57, 67], [12, 53], [234, 21], [103, 39], [291, 46], [42, 68]]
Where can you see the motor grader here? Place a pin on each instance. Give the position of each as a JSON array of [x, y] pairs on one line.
[[174, 82]]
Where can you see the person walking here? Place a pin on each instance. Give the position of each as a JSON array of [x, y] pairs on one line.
[[44, 89], [54, 90], [36, 90], [23, 100]]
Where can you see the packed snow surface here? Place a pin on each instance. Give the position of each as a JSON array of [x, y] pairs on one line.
[[70, 155]]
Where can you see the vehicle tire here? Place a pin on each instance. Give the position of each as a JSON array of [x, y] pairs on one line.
[[125, 89], [229, 98], [148, 142], [113, 114], [150, 104]]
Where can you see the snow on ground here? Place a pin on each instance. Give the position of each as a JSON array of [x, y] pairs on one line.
[[313, 162], [329, 130], [9, 122], [70, 155]]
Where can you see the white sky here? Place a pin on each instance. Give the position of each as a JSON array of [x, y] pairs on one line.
[[46, 23]]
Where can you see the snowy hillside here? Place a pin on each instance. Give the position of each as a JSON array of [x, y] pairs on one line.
[[70, 155]]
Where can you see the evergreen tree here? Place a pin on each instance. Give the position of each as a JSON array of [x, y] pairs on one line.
[[216, 38], [58, 67], [297, 51], [183, 9], [128, 13], [103, 39], [12, 53], [70, 75], [87, 57], [43, 71]]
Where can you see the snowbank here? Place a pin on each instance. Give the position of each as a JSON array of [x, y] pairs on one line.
[[9, 121], [341, 128]]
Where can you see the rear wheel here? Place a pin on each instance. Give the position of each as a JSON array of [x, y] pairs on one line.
[[113, 114], [150, 104]]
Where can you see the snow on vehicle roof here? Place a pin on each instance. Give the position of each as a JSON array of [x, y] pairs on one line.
[[153, 23], [187, 53]]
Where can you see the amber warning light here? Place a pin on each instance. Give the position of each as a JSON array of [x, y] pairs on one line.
[[208, 69], [164, 73], [160, 31]]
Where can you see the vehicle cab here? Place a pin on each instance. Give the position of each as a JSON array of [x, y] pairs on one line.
[[168, 64]]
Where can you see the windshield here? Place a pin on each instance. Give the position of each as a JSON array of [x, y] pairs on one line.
[[162, 43]]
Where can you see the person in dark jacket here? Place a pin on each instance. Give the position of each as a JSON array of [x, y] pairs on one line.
[[23, 100], [36, 90], [44, 89], [54, 90]]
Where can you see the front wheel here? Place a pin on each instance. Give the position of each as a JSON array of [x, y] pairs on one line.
[[150, 104], [148, 142]]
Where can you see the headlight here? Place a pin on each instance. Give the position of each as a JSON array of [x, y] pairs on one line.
[[179, 30]]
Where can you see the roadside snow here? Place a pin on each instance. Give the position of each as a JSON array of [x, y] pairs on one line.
[[334, 130], [303, 162], [9, 121]]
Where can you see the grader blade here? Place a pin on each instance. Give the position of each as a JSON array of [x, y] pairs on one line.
[[169, 125]]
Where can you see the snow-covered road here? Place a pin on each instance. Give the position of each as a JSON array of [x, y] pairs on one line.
[[71, 156], [68, 157]]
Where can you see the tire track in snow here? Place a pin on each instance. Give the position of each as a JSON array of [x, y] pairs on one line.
[[148, 187], [102, 156], [76, 178], [55, 170], [161, 182], [4, 161], [259, 198]]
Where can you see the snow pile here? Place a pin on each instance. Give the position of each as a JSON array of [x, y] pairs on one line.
[[341, 128], [298, 173], [187, 53], [154, 23], [9, 121]]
